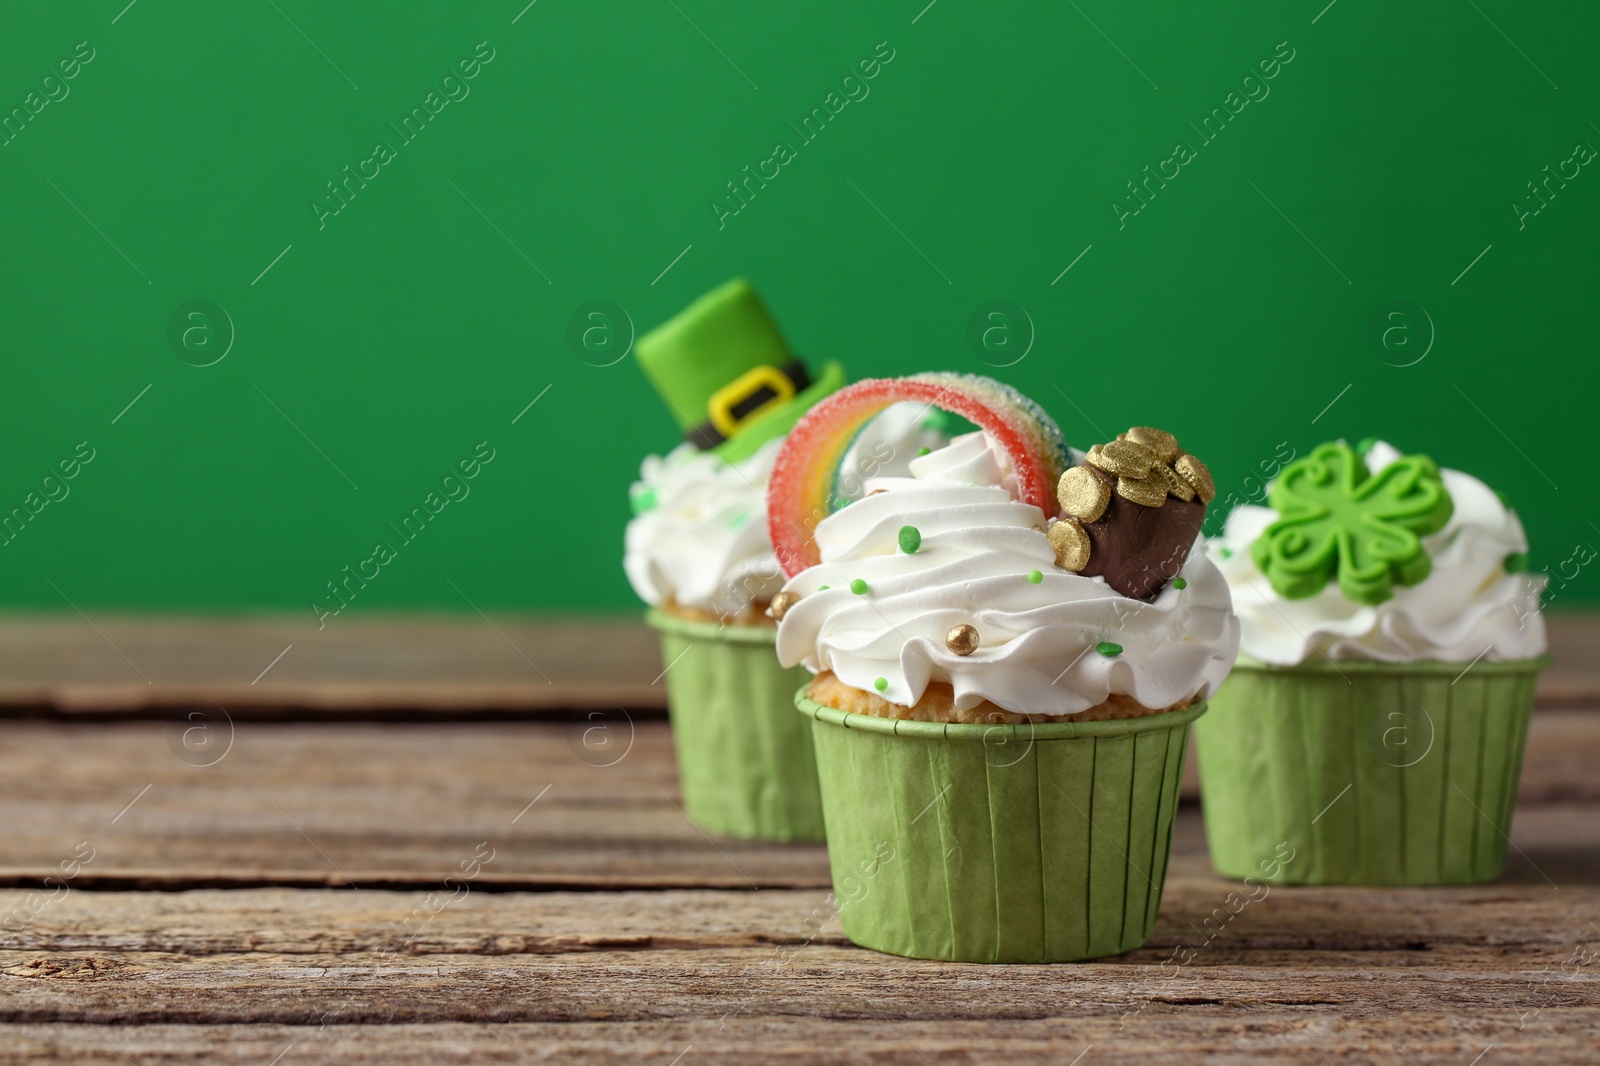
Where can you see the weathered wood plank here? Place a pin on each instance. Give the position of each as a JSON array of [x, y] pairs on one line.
[[465, 663], [1440, 972], [1574, 675], [1494, 928], [824, 982], [402, 804], [1556, 1038], [322, 804], [712, 967]]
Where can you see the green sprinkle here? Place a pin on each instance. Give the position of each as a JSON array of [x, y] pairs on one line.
[[1226, 553], [922, 451], [936, 420], [739, 519], [823, 588], [1516, 562], [1034, 577], [643, 500], [881, 684], [910, 539], [1179, 583], [859, 587], [1366, 445], [1105, 647]]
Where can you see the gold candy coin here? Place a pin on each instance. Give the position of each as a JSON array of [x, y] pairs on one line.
[[1083, 495], [1071, 543], [781, 604], [1175, 484], [1124, 458], [1195, 473], [962, 639], [1149, 492], [1159, 441]]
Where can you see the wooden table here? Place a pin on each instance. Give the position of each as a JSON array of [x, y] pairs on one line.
[[395, 847]]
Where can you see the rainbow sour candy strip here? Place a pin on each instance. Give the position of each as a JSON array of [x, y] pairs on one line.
[[800, 492]]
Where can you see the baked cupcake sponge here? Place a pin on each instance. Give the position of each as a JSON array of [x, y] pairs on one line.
[[938, 704]]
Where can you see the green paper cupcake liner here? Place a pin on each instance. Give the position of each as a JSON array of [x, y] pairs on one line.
[[1005, 843], [1373, 773], [745, 763]]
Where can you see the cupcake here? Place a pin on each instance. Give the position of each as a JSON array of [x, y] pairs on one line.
[[1007, 654], [1391, 638], [698, 553]]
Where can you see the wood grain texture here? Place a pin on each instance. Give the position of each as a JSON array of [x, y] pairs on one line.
[[1267, 1035], [1574, 675], [1475, 926], [368, 803], [400, 805], [1430, 974], [276, 894], [433, 664], [123, 664]]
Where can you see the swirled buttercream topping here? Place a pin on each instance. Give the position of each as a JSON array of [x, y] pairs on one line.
[[1471, 603], [1048, 641], [699, 533]]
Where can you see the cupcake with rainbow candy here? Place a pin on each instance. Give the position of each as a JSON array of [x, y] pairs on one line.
[[1006, 639]]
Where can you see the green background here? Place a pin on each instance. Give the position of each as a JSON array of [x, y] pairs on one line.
[[428, 314]]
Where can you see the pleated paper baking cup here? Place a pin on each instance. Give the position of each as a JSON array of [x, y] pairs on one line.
[[745, 762], [1005, 843], [1374, 773]]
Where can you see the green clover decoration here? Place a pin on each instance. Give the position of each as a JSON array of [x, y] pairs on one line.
[[1338, 521]]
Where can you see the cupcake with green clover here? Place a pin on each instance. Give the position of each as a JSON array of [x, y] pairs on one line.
[[698, 553], [1003, 641], [1391, 638]]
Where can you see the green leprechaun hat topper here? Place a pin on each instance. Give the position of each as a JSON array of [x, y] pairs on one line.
[[728, 374]]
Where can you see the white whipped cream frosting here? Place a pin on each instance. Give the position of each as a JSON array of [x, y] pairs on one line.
[[700, 537], [1468, 605], [1037, 642]]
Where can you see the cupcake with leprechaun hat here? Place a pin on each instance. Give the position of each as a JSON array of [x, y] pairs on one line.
[[1391, 641], [697, 551], [1005, 645]]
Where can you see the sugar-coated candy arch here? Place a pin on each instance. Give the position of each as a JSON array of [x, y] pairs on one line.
[[800, 492]]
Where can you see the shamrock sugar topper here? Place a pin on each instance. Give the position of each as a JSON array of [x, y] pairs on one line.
[[1338, 521]]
